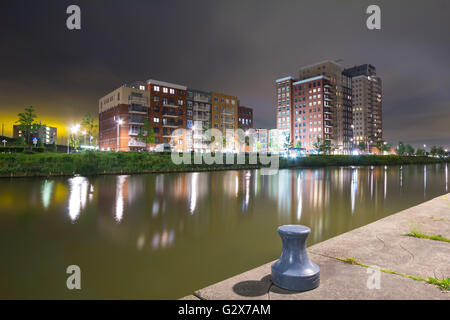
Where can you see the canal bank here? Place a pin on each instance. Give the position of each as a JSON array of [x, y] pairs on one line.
[[376, 261], [114, 163]]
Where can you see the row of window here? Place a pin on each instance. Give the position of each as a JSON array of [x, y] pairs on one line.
[[167, 90]]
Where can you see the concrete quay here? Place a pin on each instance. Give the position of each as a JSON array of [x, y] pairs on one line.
[[381, 244]]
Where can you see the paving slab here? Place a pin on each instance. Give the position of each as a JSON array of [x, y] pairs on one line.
[[380, 244]]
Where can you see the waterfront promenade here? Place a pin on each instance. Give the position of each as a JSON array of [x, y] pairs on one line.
[[406, 262]]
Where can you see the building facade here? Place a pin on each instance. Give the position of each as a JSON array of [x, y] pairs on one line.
[[367, 104], [317, 108], [168, 111], [199, 118], [224, 115], [167, 107], [122, 115], [245, 118], [340, 101]]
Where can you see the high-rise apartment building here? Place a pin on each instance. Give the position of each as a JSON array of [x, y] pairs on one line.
[[367, 104], [317, 107], [340, 101]]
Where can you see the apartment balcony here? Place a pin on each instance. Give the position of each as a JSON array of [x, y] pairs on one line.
[[137, 100], [170, 125], [135, 119], [170, 105], [327, 98], [327, 110], [170, 115], [201, 108], [227, 113], [198, 117], [136, 143], [227, 121], [138, 109], [328, 124], [133, 133]]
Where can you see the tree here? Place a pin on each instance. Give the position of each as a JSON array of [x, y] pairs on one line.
[[146, 134], [420, 152], [27, 124], [409, 150], [322, 145], [74, 141], [401, 149], [90, 126], [437, 151], [362, 146], [298, 144]]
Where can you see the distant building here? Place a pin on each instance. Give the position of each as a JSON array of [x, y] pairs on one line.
[[245, 117], [367, 104], [48, 135]]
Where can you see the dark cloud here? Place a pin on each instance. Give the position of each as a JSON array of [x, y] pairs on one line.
[[237, 47]]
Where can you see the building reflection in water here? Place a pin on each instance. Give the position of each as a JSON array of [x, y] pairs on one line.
[[46, 193], [401, 176], [120, 186], [193, 191], [354, 188], [246, 200], [446, 177], [424, 180], [78, 188], [385, 181], [163, 240], [299, 195]]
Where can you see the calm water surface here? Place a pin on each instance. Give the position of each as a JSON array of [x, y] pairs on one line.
[[166, 235]]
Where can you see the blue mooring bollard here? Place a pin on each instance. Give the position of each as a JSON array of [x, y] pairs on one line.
[[294, 271]]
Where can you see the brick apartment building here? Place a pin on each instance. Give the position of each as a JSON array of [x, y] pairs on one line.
[[167, 107], [245, 117], [319, 105]]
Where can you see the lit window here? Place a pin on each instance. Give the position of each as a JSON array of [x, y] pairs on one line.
[[156, 88]]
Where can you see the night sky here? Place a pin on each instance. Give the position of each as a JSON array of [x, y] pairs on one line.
[[237, 47]]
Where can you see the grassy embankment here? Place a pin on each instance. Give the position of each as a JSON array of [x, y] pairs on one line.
[[53, 164]]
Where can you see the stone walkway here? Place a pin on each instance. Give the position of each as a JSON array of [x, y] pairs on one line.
[[381, 244]]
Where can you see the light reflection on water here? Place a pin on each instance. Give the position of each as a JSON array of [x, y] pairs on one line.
[[191, 229]]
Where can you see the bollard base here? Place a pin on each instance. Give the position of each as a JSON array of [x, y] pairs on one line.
[[294, 282]]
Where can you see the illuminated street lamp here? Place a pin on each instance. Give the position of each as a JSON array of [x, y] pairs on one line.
[[119, 122]]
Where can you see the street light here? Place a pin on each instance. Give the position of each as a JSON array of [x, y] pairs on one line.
[[119, 122]]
